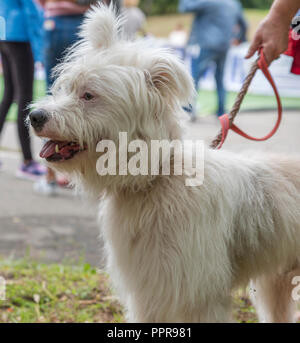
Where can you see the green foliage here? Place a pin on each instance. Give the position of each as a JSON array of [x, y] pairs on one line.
[[261, 4], [156, 7]]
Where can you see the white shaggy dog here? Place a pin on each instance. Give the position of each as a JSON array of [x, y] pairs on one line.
[[175, 253]]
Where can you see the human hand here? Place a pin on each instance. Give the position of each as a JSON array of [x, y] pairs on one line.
[[272, 36]]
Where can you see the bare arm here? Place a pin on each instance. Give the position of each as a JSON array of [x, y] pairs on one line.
[[272, 34]]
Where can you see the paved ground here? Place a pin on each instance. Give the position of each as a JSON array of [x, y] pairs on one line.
[[64, 228]]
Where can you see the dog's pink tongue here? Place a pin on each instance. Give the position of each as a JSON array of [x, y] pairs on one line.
[[48, 149]]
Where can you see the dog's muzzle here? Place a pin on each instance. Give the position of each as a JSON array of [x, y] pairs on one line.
[[38, 119]]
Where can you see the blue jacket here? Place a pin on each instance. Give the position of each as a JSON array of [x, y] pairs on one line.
[[23, 23], [215, 22]]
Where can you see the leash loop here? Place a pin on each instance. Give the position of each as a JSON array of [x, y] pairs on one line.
[[227, 120]]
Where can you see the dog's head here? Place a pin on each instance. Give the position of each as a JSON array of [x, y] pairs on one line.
[[107, 85]]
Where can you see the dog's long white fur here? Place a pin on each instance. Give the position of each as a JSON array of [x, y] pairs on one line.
[[175, 253]]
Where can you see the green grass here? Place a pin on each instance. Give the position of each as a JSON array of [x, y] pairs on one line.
[[56, 293], [37, 293], [59, 293]]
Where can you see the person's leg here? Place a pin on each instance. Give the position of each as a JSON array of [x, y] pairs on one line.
[[199, 65], [8, 95], [22, 67], [219, 76], [22, 64]]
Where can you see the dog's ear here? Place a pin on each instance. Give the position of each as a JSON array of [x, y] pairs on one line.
[[101, 27], [171, 78]]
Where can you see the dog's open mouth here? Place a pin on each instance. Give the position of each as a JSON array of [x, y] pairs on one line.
[[56, 151]]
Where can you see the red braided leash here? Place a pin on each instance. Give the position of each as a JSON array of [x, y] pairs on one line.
[[227, 120]]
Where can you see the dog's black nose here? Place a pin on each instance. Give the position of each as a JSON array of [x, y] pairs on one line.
[[38, 119]]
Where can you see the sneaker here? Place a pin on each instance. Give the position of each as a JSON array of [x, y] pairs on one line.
[[31, 171], [45, 188]]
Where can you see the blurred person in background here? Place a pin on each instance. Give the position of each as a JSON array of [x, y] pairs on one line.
[[213, 31], [62, 19], [22, 30], [135, 19]]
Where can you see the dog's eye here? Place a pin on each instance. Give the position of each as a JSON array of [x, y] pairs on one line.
[[88, 96]]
